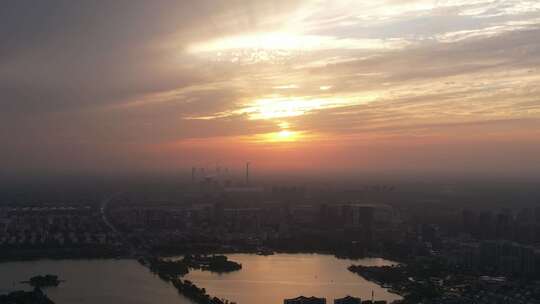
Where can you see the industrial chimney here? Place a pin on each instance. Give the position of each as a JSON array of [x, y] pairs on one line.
[[247, 174]]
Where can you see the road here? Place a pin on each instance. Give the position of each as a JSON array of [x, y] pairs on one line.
[[133, 252], [103, 208]]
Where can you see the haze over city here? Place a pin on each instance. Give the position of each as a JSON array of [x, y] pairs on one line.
[[270, 151], [412, 87]]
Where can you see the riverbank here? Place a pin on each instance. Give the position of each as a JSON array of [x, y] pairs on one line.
[[104, 281], [172, 271], [35, 296], [262, 280], [41, 281], [419, 280], [270, 279]]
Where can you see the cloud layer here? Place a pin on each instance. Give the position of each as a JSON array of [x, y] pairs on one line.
[[126, 86]]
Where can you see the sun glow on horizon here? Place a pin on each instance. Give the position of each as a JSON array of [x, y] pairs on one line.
[[283, 136], [281, 107], [278, 106]]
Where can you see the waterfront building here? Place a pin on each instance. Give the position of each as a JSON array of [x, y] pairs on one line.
[[305, 300], [348, 300]]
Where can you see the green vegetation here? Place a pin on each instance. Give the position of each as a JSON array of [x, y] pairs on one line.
[[40, 281], [414, 281], [25, 297], [213, 263], [196, 294], [171, 271], [167, 270]]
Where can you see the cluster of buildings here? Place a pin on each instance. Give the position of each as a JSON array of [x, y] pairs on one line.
[[486, 290], [494, 256], [24, 229], [505, 243], [315, 300], [252, 215], [522, 226], [251, 224], [496, 243]]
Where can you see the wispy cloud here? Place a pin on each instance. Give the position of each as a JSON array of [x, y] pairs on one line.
[[345, 71]]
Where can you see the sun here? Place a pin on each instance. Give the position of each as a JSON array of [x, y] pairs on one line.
[[283, 136]]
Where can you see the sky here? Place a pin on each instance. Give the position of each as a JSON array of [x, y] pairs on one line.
[[396, 86]]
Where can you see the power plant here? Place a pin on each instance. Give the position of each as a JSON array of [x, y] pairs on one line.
[[247, 174], [220, 180]]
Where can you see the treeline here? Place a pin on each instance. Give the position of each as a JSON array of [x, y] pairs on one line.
[[411, 280], [25, 297], [213, 263], [47, 280], [166, 269], [171, 271], [196, 294], [90, 252]]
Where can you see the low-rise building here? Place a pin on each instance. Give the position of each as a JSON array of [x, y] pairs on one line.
[[348, 300], [305, 300]]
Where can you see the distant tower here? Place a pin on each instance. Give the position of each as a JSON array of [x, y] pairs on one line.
[[193, 172], [247, 174]]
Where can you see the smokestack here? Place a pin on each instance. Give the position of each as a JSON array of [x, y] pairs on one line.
[[247, 174], [193, 172]]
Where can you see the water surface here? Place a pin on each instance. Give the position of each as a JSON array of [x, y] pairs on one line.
[[270, 279], [93, 281], [262, 280]]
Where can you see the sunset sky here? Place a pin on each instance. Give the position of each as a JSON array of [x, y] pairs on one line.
[[107, 87]]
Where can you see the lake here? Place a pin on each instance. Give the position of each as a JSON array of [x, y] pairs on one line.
[[262, 280], [93, 281], [270, 279]]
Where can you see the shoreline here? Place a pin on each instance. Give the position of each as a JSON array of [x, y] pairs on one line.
[[246, 255], [174, 255]]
